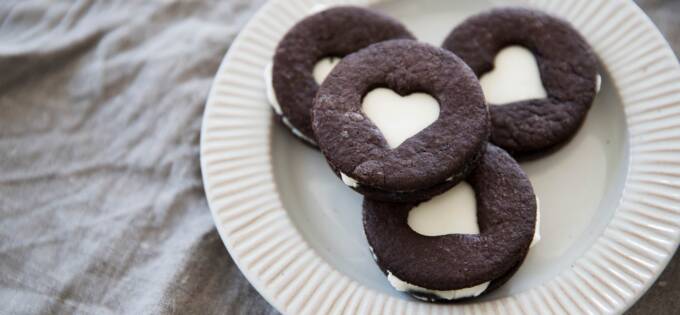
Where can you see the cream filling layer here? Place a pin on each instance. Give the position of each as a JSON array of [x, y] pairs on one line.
[[404, 286]]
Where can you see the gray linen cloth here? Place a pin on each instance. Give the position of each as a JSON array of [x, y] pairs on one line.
[[101, 200], [102, 210]]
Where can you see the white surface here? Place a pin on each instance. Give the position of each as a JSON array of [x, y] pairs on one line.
[[323, 67], [399, 117], [515, 77], [453, 212], [609, 197], [404, 286]]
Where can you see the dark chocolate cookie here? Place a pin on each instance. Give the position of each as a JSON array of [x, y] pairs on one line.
[[506, 216], [408, 196], [567, 66], [440, 154], [334, 32]]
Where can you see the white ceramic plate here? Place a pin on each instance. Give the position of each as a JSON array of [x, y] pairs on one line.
[[609, 199]]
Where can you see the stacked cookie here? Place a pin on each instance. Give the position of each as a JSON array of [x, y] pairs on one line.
[[426, 133]]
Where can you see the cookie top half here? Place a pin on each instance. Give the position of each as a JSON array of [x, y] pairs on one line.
[[403, 76], [335, 32], [566, 64]]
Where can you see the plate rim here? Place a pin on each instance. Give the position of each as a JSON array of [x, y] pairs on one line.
[[573, 289]]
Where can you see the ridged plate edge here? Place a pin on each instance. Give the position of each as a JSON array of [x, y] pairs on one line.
[[618, 268]]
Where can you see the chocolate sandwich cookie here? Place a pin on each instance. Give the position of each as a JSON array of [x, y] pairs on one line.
[[565, 61], [401, 120], [438, 266], [310, 49]]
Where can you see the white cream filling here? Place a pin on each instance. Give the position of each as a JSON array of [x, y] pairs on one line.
[[404, 286], [351, 182], [437, 217], [370, 248], [598, 83], [537, 227], [296, 132], [271, 95], [515, 77], [399, 117]]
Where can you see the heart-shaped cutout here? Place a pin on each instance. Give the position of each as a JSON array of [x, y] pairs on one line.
[[399, 117], [515, 77], [453, 212], [323, 67]]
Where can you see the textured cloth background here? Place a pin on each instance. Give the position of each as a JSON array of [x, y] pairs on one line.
[[102, 210]]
